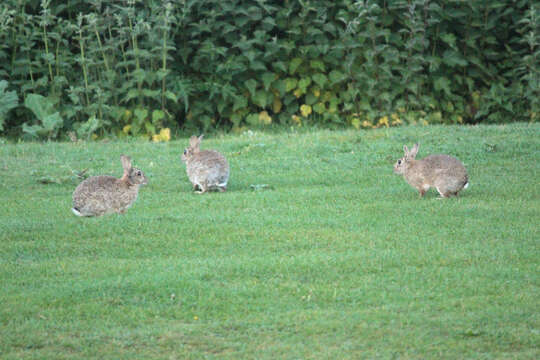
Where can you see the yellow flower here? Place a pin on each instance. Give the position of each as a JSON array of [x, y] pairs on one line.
[[277, 105], [383, 121], [305, 110], [395, 119], [126, 129], [317, 92], [127, 115], [264, 118], [367, 124], [195, 317], [355, 122], [165, 134], [296, 119]]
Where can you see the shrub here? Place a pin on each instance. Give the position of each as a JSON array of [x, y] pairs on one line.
[[137, 67]]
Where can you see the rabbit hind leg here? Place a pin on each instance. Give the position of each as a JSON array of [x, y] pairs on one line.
[[445, 193], [422, 190], [203, 187], [222, 187]]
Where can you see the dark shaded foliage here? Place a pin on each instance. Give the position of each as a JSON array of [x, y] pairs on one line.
[[135, 67]]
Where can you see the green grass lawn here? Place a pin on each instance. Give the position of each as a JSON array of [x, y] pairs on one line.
[[336, 258]]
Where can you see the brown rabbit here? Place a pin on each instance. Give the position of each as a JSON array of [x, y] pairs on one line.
[[103, 194], [444, 172], [206, 169]]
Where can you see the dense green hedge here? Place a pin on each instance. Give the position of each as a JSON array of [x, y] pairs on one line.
[[137, 67]]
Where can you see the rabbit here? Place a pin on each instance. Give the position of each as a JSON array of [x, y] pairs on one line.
[[207, 169], [99, 195], [444, 172]]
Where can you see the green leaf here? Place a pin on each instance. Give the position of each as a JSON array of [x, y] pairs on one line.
[[135, 128], [153, 94], [258, 65], [333, 105], [206, 121], [281, 87], [138, 75], [85, 129], [304, 83], [157, 115], [288, 100], [184, 90], [449, 39], [251, 85], [236, 119], [320, 79], [442, 83], [267, 79], [132, 93], [32, 130], [39, 105], [52, 122], [317, 64], [261, 98], [240, 102], [221, 105], [43, 109], [290, 84], [280, 65], [336, 76], [453, 58], [150, 128], [170, 95], [294, 64], [310, 99], [161, 74], [8, 100], [319, 108], [141, 115], [252, 119]]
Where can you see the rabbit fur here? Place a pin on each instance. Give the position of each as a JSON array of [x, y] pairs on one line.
[[206, 169], [444, 172], [99, 195]]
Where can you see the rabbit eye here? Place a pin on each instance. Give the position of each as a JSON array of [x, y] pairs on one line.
[[139, 173], [185, 151], [399, 162]]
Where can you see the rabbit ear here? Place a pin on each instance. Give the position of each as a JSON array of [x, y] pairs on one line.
[[200, 138], [126, 163], [405, 150], [414, 151], [194, 142]]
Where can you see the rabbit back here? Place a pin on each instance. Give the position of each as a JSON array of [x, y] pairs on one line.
[[208, 169], [103, 194], [444, 172]]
